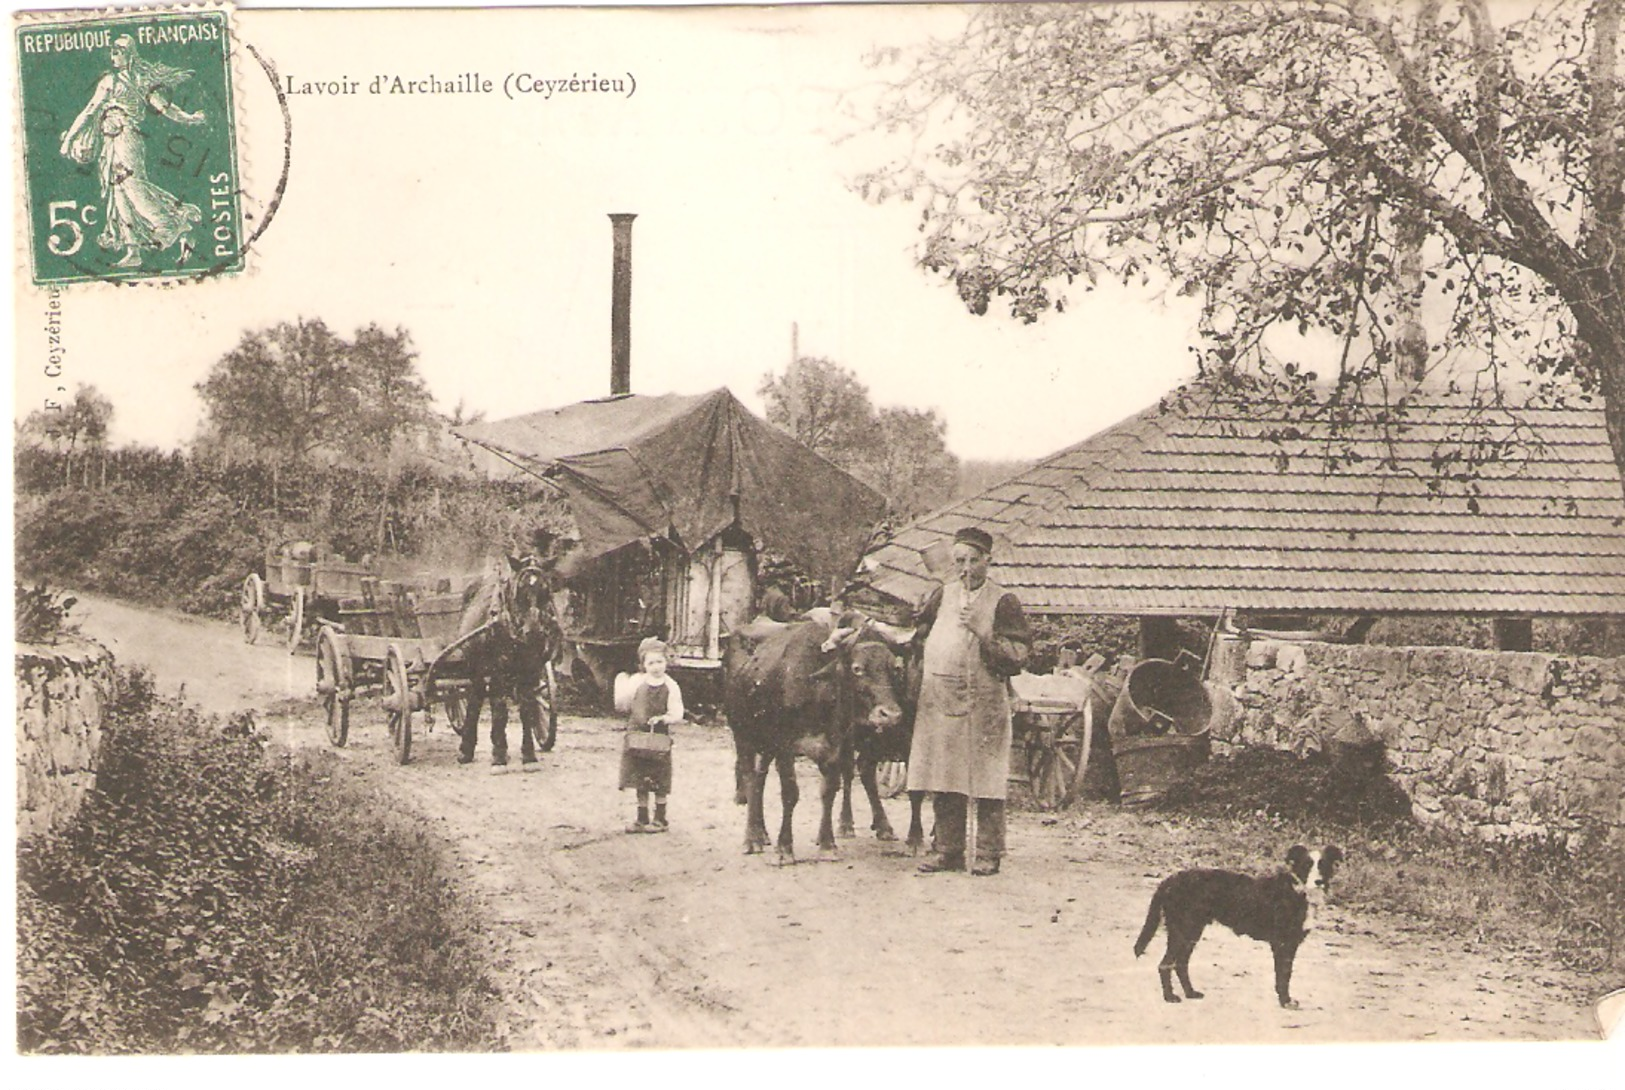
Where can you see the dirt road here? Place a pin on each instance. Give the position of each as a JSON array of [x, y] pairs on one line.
[[605, 940]]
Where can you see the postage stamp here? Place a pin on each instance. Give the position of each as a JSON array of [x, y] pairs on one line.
[[130, 147]]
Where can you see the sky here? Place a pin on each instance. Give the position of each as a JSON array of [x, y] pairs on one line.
[[479, 224]]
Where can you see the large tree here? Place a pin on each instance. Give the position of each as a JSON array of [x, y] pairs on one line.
[[286, 391], [1392, 187], [298, 389], [901, 453], [911, 465], [79, 425], [76, 428], [823, 405], [394, 401]]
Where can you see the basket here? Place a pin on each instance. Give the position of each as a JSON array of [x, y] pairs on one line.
[[647, 743]]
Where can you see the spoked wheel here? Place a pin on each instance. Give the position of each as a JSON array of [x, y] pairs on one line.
[[252, 606], [1057, 753], [296, 619], [398, 704], [455, 702], [333, 684], [892, 778], [547, 696]]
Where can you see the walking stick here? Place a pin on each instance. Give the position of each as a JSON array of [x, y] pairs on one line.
[[970, 832]]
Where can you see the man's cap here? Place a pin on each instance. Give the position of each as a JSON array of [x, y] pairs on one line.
[[974, 535]]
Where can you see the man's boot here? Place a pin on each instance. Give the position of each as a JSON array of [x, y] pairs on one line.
[[942, 861]]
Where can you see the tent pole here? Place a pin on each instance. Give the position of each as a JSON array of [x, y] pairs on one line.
[[713, 630]]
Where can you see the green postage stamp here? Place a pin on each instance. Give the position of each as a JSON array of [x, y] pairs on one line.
[[130, 149]]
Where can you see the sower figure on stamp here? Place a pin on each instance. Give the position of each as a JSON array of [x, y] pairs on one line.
[[137, 215], [976, 637]]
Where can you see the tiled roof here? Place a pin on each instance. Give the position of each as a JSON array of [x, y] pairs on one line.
[[1186, 510]]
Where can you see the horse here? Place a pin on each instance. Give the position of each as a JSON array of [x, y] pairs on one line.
[[512, 639]]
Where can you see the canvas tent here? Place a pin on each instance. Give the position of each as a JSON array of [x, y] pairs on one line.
[[700, 483]]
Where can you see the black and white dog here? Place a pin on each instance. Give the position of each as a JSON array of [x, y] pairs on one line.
[[1273, 909]]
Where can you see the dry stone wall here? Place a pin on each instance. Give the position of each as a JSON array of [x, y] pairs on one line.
[[61, 693], [1500, 744]]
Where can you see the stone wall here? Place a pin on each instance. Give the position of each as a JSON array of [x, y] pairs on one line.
[[1501, 744], [61, 692]]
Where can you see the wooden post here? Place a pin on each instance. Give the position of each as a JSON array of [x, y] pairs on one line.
[[713, 620], [1159, 637]]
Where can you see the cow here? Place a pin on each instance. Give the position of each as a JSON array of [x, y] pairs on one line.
[[872, 745], [797, 689]]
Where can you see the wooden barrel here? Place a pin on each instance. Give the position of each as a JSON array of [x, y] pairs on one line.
[[1149, 765]]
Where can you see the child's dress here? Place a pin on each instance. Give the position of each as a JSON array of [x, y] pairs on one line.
[[644, 769]]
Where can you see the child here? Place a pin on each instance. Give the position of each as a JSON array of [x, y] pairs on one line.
[[655, 704]]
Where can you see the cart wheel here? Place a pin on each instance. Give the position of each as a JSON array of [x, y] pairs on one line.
[[455, 701], [333, 684], [1054, 757], [398, 704], [296, 619], [252, 604], [548, 697], [1086, 736]]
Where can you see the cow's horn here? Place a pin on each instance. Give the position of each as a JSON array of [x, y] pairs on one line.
[[836, 638]]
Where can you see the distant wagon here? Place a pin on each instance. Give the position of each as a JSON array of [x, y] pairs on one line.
[[303, 581], [675, 499]]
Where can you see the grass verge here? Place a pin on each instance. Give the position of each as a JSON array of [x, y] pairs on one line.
[[211, 897]]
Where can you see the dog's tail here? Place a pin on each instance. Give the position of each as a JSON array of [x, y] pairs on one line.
[[1153, 916]]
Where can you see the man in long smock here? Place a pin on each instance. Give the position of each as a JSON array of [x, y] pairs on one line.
[[976, 637]]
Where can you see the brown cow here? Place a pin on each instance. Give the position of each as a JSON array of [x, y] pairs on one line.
[[798, 691], [872, 745]]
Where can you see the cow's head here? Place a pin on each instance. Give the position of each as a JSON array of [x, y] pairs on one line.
[[874, 686], [865, 662]]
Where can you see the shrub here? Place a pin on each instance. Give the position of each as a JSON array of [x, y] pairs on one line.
[[42, 613], [211, 898], [185, 529], [1278, 785]]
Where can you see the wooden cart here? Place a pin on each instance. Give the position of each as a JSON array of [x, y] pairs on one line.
[[1053, 719], [400, 639], [301, 583]]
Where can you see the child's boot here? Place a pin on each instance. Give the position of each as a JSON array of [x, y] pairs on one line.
[[660, 817], [642, 824]]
